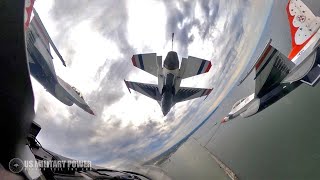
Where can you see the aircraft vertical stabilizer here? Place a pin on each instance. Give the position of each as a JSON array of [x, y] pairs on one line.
[[303, 25]]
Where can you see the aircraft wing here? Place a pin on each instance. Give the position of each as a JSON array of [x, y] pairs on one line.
[[150, 90], [38, 28], [270, 68], [193, 66], [186, 93], [146, 62]]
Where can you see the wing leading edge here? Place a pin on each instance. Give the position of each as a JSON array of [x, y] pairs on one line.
[[150, 90]]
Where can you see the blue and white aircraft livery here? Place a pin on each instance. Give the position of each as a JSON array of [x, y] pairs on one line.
[[168, 91], [41, 66]]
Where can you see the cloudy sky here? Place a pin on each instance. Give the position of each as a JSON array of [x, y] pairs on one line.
[[97, 39]]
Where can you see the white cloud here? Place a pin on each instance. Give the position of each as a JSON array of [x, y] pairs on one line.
[[145, 25]]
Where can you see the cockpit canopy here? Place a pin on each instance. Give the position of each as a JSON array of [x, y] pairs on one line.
[[238, 102], [78, 92]]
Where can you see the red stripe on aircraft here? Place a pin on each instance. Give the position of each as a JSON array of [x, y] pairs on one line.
[[263, 57], [28, 10], [296, 49], [41, 30], [293, 29], [133, 61], [208, 91], [209, 66]]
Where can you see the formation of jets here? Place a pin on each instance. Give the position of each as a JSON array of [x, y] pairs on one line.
[[277, 74], [167, 92]]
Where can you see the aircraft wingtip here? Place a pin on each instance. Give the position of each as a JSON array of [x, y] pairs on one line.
[[126, 82], [91, 112]]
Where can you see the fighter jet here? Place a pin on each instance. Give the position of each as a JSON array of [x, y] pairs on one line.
[[278, 75], [168, 91], [41, 66]]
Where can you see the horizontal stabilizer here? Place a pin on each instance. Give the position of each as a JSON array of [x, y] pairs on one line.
[[193, 66], [146, 62]]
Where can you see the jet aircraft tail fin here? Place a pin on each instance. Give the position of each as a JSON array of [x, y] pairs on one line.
[[270, 69], [147, 62], [303, 25]]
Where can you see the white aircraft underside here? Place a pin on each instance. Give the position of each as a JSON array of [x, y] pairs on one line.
[[168, 91]]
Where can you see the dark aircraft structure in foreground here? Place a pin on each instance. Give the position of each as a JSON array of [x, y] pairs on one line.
[[168, 91], [276, 74]]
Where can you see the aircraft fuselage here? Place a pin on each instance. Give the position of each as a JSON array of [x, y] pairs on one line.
[[167, 92], [169, 81], [254, 105]]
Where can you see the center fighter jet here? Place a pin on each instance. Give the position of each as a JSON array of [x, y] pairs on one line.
[[168, 91]]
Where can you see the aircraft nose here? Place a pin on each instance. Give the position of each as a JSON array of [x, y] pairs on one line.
[[91, 112], [225, 119], [164, 112]]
